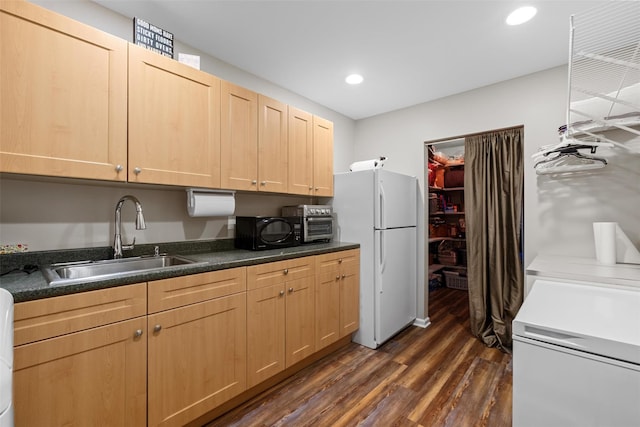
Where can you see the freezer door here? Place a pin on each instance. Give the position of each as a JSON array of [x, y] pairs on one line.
[[395, 200], [395, 281]]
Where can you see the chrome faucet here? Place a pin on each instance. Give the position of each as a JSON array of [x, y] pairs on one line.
[[118, 247]]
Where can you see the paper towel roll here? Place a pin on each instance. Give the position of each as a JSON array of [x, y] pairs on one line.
[[604, 234], [626, 252], [210, 203], [367, 164]]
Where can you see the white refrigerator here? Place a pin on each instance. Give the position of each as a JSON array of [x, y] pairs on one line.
[[378, 210]]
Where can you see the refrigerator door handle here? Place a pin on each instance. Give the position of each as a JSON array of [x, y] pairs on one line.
[[381, 207], [383, 257]]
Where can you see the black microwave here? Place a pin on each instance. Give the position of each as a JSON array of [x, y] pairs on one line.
[[267, 232]]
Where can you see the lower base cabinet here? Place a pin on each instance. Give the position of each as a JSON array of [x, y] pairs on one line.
[[171, 351], [70, 369], [337, 296], [196, 358], [281, 316]]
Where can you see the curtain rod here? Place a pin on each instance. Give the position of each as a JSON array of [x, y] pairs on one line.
[[451, 138]]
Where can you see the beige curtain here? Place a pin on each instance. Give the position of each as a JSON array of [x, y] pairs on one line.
[[493, 184]]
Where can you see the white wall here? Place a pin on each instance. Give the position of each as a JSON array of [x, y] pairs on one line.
[[558, 212], [51, 214]]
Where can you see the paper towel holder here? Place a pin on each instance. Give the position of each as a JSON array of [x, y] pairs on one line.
[[192, 192]]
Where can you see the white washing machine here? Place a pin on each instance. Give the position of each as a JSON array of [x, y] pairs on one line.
[[6, 358], [576, 356]]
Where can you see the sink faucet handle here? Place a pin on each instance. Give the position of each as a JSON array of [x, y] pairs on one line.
[[156, 251], [131, 246]]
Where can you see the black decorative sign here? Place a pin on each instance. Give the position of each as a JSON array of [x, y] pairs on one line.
[[152, 37]]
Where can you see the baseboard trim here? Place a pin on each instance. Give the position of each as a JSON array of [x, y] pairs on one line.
[[422, 323]]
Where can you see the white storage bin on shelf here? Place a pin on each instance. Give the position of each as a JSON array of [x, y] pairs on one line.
[[455, 280]]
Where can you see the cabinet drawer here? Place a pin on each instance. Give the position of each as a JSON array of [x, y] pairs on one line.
[[343, 259], [262, 275], [51, 317], [180, 291]]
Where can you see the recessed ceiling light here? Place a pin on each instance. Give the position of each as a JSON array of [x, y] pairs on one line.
[[354, 79], [521, 15]]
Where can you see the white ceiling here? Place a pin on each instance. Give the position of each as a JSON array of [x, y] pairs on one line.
[[409, 52]]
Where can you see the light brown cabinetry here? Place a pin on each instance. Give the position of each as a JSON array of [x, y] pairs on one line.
[[197, 351], [281, 316], [174, 122], [81, 359], [80, 103], [239, 137], [171, 351], [310, 154], [337, 296], [63, 96]]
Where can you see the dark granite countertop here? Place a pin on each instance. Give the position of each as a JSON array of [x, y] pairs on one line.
[[210, 256]]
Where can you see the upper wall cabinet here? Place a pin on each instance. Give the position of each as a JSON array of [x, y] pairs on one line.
[[322, 157], [310, 154], [79, 103], [63, 96], [300, 152], [174, 122], [273, 143], [239, 137]]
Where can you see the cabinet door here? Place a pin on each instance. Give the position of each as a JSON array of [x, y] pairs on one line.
[[300, 152], [300, 319], [322, 157], [174, 122], [265, 333], [96, 377], [327, 302], [63, 96], [273, 143], [197, 359], [239, 137], [350, 292]]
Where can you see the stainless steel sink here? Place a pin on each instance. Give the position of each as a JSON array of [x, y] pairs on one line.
[[86, 271]]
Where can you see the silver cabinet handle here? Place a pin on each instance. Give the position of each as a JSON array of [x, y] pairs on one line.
[[338, 277], [344, 276], [119, 168], [137, 333], [281, 293], [254, 182], [290, 290], [157, 328], [310, 188], [286, 271], [137, 171], [317, 188], [263, 182], [340, 261]]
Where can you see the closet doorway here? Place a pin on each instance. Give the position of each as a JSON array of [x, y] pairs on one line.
[[474, 198], [446, 227]]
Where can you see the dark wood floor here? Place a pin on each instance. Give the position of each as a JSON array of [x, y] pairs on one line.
[[439, 376]]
